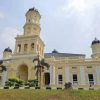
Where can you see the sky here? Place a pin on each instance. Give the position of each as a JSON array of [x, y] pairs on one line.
[[68, 26]]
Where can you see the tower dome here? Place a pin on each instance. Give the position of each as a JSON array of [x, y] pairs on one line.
[[95, 41], [95, 48], [8, 50], [33, 9], [54, 51]]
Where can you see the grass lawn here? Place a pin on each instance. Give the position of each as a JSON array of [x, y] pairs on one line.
[[49, 95]]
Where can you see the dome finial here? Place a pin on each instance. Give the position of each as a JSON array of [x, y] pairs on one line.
[[95, 38]]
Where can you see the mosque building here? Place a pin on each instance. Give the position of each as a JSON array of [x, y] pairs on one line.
[[82, 72]]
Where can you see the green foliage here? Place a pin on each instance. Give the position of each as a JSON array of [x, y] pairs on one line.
[[41, 64], [1, 61], [9, 83], [3, 68], [13, 79], [32, 83], [13, 82], [20, 82]]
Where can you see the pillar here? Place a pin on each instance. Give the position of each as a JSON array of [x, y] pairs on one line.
[[98, 75], [82, 76], [67, 72], [52, 75]]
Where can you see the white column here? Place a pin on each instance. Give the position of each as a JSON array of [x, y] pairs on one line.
[[98, 74], [94, 77], [52, 75], [4, 77], [82, 75], [67, 72]]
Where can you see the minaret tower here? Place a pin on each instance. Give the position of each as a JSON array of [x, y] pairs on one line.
[[30, 42], [32, 25]]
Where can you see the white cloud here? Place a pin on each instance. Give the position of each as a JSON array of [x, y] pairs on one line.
[[7, 38], [80, 6]]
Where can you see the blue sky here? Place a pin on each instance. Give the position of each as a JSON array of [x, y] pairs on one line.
[[67, 25]]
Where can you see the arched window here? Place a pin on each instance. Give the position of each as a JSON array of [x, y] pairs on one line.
[[25, 47], [29, 20], [32, 46], [19, 48]]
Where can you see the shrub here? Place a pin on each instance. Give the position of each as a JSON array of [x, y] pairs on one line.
[[17, 85], [9, 83], [68, 85], [32, 83], [13, 81], [20, 82], [26, 84]]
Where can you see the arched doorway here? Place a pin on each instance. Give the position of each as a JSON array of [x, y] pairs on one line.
[[47, 78], [23, 72]]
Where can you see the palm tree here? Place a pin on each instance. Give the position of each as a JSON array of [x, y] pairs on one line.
[[1, 62], [2, 68], [41, 64]]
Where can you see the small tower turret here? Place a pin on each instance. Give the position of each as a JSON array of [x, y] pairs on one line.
[[7, 53], [95, 48]]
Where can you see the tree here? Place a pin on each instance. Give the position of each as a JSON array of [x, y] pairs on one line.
[[1, 62], [2, 68], [41, 64]]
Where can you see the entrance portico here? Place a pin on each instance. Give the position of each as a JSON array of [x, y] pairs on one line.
[[23, 72]]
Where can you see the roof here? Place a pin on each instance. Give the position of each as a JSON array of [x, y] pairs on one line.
[[47, 55], [33, 9], [95, 41], [8, 50]]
